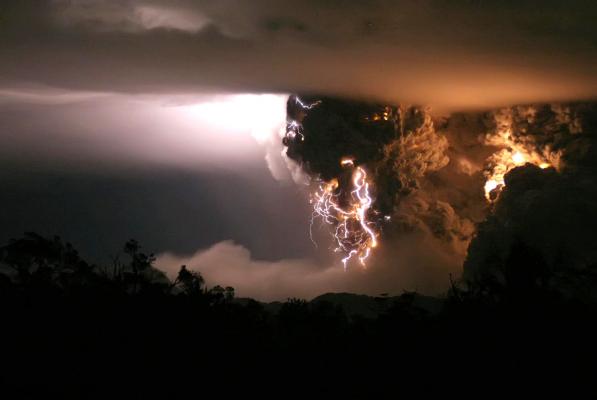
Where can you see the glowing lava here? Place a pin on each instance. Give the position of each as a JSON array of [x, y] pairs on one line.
[[353, 232]]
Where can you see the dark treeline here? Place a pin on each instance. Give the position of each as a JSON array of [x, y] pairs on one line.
[[75, 330]]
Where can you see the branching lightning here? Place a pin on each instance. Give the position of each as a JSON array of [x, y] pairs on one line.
[[306, 106], [346, 211], [353, 232], [294, 127]]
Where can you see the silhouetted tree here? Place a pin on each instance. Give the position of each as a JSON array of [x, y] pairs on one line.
[[37, 260], [190, 282], [229, 293], [145, 329]]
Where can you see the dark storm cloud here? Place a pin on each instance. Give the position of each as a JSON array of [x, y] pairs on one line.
[[448, 53]]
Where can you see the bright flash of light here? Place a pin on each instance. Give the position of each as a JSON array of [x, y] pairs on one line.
[[354, 234], [518, 158], [489, 186], [255, 114]]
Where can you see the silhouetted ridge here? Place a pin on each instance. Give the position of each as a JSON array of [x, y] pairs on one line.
[[77, 330]]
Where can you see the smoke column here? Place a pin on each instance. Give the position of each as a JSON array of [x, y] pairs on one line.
[[381, 171]]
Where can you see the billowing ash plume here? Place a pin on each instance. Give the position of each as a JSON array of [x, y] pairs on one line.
[[528, 134], [523, 174], [541, 230], [399, 148], [338, 142]]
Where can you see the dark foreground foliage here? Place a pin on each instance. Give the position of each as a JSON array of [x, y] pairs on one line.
[[73, 330]]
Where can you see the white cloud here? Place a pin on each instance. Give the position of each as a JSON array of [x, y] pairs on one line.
[[414, 262], [230, 264]]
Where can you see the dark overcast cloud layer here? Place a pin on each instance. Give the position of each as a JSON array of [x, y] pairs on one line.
[[448, 53]]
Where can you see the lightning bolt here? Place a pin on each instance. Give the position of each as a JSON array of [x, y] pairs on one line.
[[306, 106], [294, 129], [346, 212], [354, 233]]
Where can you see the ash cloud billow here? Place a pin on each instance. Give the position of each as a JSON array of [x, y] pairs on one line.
[[472, 188], [542, 228], [402, 151]]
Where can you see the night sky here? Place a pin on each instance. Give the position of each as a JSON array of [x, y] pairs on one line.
[[163, 121]]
